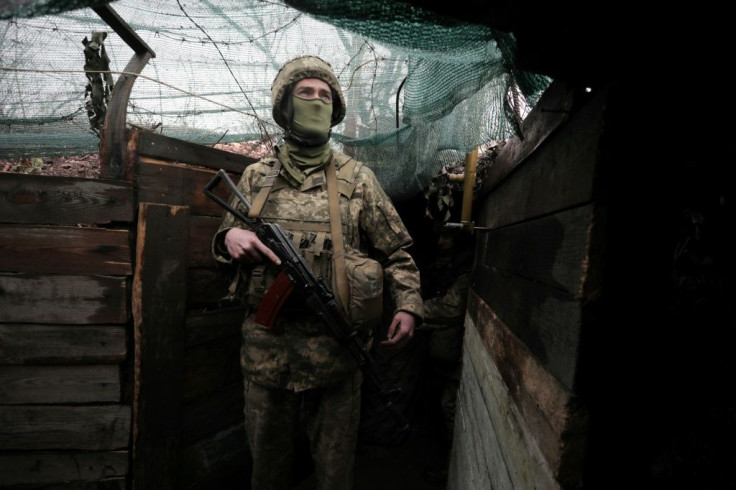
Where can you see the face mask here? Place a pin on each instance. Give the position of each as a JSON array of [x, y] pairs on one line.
[[312, 118]]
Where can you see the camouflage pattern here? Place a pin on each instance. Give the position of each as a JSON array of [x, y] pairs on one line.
[[298, 353], [299, 69], [445, 286], [445, 316], [330, 417]]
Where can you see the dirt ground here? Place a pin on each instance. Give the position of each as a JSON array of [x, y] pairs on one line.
[[88, 166]]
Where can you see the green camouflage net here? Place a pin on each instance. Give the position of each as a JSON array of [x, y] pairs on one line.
[[421, 90]]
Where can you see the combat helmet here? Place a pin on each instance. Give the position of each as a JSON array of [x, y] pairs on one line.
[[298, 69]]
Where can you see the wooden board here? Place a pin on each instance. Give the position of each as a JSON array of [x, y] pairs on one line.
[[554, 250], [92, 428], [64, 250], [200, 241], [34, 298], [166, 148], [560, 174], [207, 287], [159, 294], [177, 185], [550, 412], [109, 484], [492, 447], [212, 366], [59, 384], [551, 112], [113, 142], [211, 413], [207, 325], [64, 200], [223, 453], [61, 344], [546, 319], [72, 469]]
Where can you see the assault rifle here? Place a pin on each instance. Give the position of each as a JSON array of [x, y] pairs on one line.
[[295, 273]]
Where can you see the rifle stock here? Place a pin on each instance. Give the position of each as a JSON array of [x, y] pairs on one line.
[[295, 274]]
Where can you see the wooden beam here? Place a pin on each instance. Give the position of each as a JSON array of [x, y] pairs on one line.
[[205, 326], [96, 428], [55, 299], [67, 469], [64, 250], [559, 173], [43, 199], [122, 29], [158, 146], [175, 184], [552, 416], [62, 344], [114, 140], [552, 110], [59, 384], [159, 297]]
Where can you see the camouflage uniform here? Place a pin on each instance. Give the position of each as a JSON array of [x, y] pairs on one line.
[[445, 288], [298, 354]]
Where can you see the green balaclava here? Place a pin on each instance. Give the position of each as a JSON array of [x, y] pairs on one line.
[[307, 139]]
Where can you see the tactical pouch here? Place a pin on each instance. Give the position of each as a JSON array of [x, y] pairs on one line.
[[364, 302], [357, 280]]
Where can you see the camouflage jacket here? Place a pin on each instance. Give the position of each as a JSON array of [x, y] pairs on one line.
[[298, 353]]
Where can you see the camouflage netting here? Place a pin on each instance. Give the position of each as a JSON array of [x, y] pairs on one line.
[[421, 90]]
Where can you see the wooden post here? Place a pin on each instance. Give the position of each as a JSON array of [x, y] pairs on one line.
[[159, 309], [113, 149], [471, 162]]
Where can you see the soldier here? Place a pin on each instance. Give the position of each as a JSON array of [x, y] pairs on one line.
[[445, 286], [296, 373]]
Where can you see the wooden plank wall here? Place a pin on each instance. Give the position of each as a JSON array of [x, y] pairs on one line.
[[65, 270], [197, 351], [519, 422], [119, 361]]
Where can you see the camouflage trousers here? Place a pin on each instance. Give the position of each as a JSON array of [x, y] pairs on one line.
[[445, 360], [330, 417]]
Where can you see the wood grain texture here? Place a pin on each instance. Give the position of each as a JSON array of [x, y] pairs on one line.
[[42, 199], [551, 112], [213, 412], [211, 366], [163, 182], [62, 344], [222, 453], [159, 295], [207, 325], [559, 174], [203, 228], [158, 146], [63, 299], [492, 447], [59, 384], [94, 428], [76, 470], [64, 250]]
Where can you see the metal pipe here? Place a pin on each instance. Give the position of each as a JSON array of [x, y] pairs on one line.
[[471, 163]]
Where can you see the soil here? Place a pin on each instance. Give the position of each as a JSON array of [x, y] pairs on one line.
[[88, 166]]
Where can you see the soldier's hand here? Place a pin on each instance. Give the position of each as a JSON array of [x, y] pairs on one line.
[[400, 331], [246, 246]]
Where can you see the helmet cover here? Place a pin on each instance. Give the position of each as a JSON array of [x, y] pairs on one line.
[[298, 69]]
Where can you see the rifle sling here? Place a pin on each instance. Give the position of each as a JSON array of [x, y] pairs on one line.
[[336, 232], [262, 197]]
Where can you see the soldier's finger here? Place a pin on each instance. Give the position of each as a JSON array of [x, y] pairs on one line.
[[263, 249]]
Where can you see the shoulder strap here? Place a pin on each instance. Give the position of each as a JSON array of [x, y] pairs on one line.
[[262, 197], [336, 231]]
